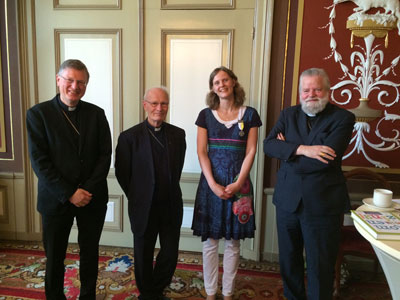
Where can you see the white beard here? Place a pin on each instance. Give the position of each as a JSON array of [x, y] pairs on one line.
[[314, 108]]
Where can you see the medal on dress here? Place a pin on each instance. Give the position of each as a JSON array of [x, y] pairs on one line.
[[241, 127]]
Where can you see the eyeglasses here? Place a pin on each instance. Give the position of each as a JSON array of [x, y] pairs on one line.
[[71, 81], [155, 104]]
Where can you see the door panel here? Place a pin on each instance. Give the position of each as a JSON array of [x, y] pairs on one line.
[[182, 47], [106, 37]]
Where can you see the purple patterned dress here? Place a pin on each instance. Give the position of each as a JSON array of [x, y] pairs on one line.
[[214, 217]]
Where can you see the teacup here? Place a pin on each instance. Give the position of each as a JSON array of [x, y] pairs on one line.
[[382, 198]]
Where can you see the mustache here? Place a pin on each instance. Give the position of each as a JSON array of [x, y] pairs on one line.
[[314, 98], [77, 90], [314, 107]]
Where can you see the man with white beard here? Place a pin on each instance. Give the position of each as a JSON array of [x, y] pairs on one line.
[[310, 194]]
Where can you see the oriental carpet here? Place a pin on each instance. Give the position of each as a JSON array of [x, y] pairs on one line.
[[22, 266]]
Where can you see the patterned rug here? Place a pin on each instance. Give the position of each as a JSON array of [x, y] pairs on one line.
[[22, 276]]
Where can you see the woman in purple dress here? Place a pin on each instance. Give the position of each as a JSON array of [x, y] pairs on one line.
[[226, 144]]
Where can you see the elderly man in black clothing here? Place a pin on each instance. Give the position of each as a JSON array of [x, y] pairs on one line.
[[148, 166], [310, 195]]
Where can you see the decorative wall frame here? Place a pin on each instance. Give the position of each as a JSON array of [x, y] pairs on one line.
[[296, 63], [2, 121], [196, 4], [87, 4], [3, 205], [6, 90], [167, 35], [184, 51], [115, 212], [105, 69]]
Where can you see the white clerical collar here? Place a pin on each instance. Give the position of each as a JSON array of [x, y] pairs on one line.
[[154, 128]]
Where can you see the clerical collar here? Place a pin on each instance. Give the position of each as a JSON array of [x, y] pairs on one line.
[[66, 107], [152, 128]]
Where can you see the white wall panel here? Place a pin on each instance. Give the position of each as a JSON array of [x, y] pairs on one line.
[[99, 50], [188, 58], [96, 54], [87, 4], [191, 64]]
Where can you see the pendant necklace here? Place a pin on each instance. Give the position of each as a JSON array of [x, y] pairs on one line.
[[157, 140], [70, 122]]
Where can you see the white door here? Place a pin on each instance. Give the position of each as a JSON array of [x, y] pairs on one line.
[[182, 45]]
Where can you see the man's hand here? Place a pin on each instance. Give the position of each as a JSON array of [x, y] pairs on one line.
[[320, 152], [280, 137], [80, 198]]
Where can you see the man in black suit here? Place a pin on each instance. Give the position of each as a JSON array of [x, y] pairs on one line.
[[148, 165], [310, 194], [70, 150]]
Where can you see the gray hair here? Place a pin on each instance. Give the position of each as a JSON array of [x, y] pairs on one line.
[[164, 88], [75, 64], [316, 72]]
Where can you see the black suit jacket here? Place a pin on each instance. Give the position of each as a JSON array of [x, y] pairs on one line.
[[59, 164], [320, 186], [134, 169]]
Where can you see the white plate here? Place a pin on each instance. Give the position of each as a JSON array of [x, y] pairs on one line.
[[369, 202]]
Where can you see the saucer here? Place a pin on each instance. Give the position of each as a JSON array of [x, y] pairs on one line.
[[369, 202]]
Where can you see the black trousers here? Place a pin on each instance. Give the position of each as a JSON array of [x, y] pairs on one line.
[[320, 237], [56, 230], [151, 280]]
